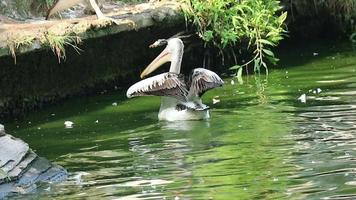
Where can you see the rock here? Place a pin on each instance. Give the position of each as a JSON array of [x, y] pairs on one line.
[[21, 170]]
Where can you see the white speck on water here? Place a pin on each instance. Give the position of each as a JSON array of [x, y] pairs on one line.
[[97, 121], [315, 54], [275, 179], [232, 82], [78, 177], [176, 198], [318, 90], [216, 100], [53, 114], [39, 128], [303, 98], [29, 122], [48, 189], [352, 183], [68, 124], [114, 104]]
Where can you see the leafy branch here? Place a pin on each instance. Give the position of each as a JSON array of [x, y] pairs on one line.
[[227, 24]]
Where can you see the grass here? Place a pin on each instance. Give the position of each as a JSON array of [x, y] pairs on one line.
[[19, 42], [58, 43]]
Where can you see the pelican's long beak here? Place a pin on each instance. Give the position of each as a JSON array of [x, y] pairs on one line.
[[162, 58]]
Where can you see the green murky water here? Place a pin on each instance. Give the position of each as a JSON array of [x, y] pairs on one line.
[[261, 142]]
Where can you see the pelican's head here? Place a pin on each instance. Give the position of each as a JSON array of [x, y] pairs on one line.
[[172, 53]]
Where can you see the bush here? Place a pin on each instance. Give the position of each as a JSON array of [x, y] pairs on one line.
[[256, 24]]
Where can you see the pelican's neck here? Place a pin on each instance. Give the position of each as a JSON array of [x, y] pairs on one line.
[[176, 59]]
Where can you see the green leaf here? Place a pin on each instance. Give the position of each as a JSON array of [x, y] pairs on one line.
[[282, 18], [268, 52], [266, 42]]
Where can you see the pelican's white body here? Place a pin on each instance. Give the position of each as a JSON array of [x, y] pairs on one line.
[[168, 111]]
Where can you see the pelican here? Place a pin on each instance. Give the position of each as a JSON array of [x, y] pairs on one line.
[[180, 99], [61, 5]]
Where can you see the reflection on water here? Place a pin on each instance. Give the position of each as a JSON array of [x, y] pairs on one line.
[[261, 142]]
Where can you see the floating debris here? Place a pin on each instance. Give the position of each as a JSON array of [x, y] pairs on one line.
[[303, 98], [68, 124], [216, 100], [97, 121], [114, 104], [232, 82], [315, 54]]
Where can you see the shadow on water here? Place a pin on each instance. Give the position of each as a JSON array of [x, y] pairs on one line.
[[261, 142]]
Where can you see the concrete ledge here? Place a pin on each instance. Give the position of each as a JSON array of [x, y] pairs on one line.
[[19, 38]]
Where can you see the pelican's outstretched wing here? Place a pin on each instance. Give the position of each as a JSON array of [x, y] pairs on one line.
[[202, 80], [166, 84]]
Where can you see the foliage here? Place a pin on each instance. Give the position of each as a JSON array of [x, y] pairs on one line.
[[19, 42], [227, 23], [58, 42]]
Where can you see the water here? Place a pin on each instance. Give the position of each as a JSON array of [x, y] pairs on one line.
[[261, 142]]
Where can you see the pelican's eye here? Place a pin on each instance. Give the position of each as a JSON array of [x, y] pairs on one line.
[[160, 42]]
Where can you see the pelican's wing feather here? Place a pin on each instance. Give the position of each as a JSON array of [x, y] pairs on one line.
[[166, 84], [202, 80]]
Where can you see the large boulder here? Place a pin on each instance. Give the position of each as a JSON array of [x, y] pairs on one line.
[[21, 170]]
